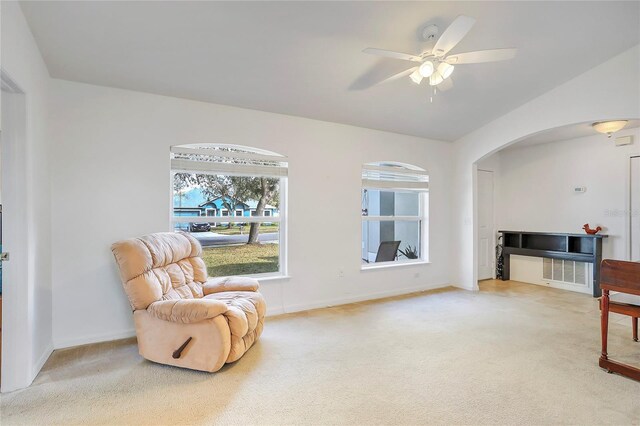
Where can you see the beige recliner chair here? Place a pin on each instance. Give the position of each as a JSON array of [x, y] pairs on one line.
[[182, 317]]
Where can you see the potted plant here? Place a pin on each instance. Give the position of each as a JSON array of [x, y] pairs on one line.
[[410, 252]]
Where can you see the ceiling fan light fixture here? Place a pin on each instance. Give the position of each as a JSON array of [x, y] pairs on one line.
[[435, 79], [608, 127], [426, 69], [416, 76], [445, 70]]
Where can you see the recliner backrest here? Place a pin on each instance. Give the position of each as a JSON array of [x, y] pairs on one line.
[[161, 266]]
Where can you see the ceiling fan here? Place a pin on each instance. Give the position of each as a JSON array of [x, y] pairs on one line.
[[435, 64]]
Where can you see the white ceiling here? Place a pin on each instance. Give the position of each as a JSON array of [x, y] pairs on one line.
[[569, 132], [303, 58]]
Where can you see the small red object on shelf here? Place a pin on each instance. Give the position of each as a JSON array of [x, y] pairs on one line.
[[591, 231]]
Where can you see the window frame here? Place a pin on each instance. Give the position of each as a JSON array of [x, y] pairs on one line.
[[226, 169], [417, 180]]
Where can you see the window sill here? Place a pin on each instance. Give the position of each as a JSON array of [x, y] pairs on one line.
[[385, 265], [270, 278]]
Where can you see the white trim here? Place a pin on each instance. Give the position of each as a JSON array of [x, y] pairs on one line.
[[18, 321], [270, 278], [271, 310], [238, 210], [360, 298], [41, 360], [8, 85], [94, 338], [392, 264], [283, 229], [204, 167], [208, 209]]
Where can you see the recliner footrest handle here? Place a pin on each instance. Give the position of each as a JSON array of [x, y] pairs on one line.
[[178, 352]]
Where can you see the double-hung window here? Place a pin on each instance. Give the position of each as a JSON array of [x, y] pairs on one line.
[[214, 187], [395, 199]]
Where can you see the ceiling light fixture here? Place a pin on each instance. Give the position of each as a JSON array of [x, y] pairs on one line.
[[416, 76], [445, 70], [426, 69], [435, 79], [609, 127]]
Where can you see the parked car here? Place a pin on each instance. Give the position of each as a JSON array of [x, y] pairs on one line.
[[199, 227]]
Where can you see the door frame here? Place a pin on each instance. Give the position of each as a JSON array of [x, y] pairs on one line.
[[17, 313], [493, 221]]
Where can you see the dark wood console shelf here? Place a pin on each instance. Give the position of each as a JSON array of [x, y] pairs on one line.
[[578, 247]]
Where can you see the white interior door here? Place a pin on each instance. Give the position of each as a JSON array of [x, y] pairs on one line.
[[635, 208], [485, 225], [17, 366]]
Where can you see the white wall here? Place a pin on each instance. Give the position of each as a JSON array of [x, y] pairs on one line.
[[536, 192], [111, 181], [27, 331], [608, 91]]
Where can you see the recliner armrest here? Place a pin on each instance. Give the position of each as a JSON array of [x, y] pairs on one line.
[[187, 311], [217, 285]]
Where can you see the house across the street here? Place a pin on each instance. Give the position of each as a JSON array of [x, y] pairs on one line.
[[194, 202]]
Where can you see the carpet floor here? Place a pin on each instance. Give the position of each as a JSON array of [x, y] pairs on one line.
[[510, 354]]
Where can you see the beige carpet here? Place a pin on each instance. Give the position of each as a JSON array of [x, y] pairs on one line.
[[510, 354]]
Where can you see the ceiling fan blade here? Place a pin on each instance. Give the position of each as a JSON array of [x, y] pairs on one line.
[[481, 56], [397, 76], [391, 54], [447, 84], [453, 34]]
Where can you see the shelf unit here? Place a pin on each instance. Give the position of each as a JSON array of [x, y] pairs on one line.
[[577, 247]]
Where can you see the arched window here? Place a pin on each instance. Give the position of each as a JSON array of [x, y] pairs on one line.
[[395, 200], [233, 200]]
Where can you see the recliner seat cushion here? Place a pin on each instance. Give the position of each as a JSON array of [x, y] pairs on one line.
[[245, 315]]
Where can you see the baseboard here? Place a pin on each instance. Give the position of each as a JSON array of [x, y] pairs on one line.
[[96, 338], [279, 310], [465, 287], [41, 361], [354, 299]]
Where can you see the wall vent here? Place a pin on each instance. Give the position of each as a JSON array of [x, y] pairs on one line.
[[565, 271]]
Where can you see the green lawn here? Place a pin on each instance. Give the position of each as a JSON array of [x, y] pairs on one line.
[[242, 259], [244, 230]]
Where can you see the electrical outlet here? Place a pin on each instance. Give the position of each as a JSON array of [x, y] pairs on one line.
[[340, 273]]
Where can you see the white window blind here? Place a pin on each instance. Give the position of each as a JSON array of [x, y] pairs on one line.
[[383, 176], [219, 161]]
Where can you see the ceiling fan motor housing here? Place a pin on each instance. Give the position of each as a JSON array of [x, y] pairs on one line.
[[428, 32]]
